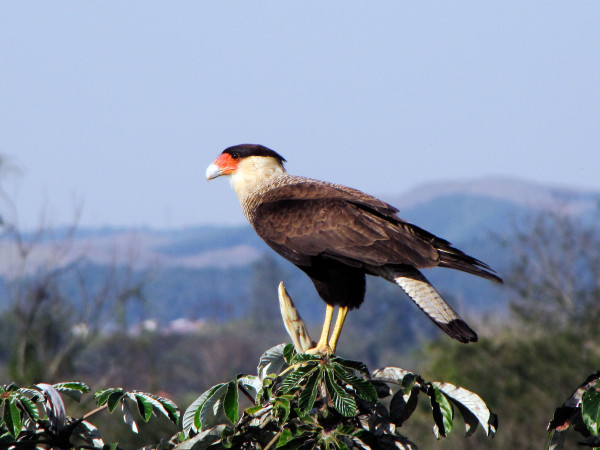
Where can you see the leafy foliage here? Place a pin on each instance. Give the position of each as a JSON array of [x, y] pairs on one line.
[[323, 401], [581, 411], [23, 425]]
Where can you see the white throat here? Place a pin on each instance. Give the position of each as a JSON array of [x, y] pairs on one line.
[[253, 172]]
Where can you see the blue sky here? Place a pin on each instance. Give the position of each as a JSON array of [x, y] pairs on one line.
[[118, 107]]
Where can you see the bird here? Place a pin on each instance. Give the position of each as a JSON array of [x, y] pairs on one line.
[[337, 235]]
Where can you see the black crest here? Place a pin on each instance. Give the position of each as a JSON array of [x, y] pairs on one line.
[[246, 150]]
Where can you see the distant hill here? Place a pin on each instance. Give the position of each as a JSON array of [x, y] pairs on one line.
[[207, 271]]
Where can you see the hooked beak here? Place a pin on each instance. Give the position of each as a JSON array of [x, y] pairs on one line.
[[213, 171]]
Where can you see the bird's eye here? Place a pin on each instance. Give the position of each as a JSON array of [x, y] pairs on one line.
[[235, 156]]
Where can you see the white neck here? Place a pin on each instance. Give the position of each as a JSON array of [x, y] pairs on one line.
[[253, 172]]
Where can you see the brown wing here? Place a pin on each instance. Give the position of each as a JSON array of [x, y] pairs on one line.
[[302, 188], [307, 219]]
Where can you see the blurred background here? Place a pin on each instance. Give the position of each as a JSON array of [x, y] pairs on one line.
[[120, 265]]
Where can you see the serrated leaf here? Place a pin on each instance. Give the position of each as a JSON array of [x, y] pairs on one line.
[[272, 361], [471, 406], [12, 416], [309, 391], [354, 365], [590, 409], [28, 407], [442, 412], [230, 402], [72, 386], [34, 394], [305, 357], [364, 389], [73, 389], [342, 400], [294, 378]]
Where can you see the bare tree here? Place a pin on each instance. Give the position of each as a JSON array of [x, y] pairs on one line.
[[555, 276], [54, 302]]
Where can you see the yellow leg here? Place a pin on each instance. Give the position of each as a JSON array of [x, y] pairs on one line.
[[322, 344], [337, 330]]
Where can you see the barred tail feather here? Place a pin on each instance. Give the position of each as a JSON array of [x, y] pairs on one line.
[[420, 290]]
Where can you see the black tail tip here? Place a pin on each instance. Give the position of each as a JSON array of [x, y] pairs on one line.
[[459, 330]]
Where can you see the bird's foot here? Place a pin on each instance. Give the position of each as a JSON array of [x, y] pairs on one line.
[[320, 349]]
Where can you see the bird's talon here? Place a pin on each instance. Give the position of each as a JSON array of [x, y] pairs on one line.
[[323, 350]]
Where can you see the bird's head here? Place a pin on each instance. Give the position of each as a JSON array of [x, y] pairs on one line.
[[247, 165]]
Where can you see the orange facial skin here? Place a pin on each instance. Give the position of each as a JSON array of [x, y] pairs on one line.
[[225, 164]]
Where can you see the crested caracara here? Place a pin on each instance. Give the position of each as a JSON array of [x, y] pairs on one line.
[[336, 235]]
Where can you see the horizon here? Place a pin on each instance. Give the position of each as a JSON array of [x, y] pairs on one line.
[[530, 193]]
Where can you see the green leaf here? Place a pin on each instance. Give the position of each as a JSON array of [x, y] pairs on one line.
[[253, 409], [309, 392], [343, 402], [354, 365], [252, 384], [295, 378], [113, 400], [408, 381], [401, 408], [282, 407], [203, 440], [442, 412], [590, 409], [172, 409], [162, 405], [191, 417], [73, 389], [285, 437], [12, 416], [471, 406], [144, 406], [305, 357], [89, 433], [212, 412], [28, 407], [272, 361], [298, 441], [364, 389], [393, 375], [102, 395], [288, 353], [34, 394], [230, 402], [128, 417]]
